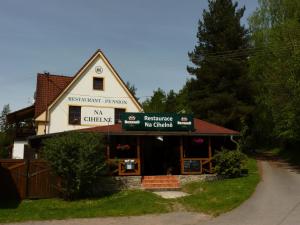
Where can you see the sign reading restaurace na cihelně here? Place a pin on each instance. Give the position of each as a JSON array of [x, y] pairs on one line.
[[157, 121]]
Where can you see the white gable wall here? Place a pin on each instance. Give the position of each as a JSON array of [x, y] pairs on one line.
[[81, 93]]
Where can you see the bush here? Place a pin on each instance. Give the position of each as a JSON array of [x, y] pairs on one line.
[[230, 163], [79, 159], [5, 145]]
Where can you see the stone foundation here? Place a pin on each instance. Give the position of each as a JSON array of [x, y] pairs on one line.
[[184, 179], [117, 183]]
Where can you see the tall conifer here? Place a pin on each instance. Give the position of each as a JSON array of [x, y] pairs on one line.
[[220, 90]]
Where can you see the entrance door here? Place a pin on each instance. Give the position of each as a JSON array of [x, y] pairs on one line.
[[160, 155]]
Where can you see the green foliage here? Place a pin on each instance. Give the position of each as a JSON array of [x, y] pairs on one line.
[[220, 91], [5, 145], [3, 123], [276, 29], [131, 88], [78, 158], [230, 163], [168, 102], [156, 103]]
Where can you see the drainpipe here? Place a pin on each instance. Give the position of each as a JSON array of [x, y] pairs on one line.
[[235, 142]]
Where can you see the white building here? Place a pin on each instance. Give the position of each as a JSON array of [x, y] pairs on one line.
[[94, 96]]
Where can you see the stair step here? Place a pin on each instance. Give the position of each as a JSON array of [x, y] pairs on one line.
[[160, 177], [160, 183]]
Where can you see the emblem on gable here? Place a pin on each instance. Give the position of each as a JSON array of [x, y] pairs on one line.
[[98, 69]]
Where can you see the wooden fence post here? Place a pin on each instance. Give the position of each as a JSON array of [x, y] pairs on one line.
[[27, 167]]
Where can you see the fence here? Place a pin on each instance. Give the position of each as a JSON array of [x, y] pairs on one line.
[[27, 179]]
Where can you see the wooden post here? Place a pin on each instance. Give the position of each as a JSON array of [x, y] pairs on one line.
[[138, 148], [210, 154], [107, 152], [181, 155]]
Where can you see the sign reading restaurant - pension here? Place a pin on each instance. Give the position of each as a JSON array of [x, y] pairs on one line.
[[157, 121]]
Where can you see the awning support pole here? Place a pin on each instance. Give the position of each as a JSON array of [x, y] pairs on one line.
[[210, 154]]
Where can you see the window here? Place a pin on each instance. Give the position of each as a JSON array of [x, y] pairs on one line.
[[98, 83], [75, 115], [118, 114]]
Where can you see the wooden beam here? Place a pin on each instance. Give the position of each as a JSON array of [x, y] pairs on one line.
[[138, 148], [181, 155], [107, 152], [210, 154]]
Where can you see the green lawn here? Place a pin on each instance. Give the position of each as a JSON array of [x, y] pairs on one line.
[[121, 204], [209, 197], [221, 196]]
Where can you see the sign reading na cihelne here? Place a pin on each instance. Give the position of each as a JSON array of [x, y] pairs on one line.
[[157, 121]]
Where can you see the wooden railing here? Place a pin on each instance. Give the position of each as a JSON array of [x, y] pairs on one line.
[[195, 165], [129, 167]]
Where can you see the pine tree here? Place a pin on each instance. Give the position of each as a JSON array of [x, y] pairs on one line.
[[219, 90], [3, 122], [171, 103], [156, 103]]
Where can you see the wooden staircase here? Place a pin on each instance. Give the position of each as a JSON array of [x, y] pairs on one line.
[[167, 182]]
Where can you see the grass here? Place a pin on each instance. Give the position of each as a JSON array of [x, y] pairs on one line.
[[217, 197], [213, 198], [125, 203]]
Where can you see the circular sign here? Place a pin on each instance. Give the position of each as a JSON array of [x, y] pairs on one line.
[[98, 69]]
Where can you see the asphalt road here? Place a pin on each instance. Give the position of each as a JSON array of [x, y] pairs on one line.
[[276, 201]]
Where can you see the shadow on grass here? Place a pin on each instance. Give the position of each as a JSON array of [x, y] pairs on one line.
[[9, 196], [9, 203]]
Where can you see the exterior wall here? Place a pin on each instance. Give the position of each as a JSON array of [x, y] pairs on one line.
[[81, 93], [117, 183], [184, 179], [18, 149]]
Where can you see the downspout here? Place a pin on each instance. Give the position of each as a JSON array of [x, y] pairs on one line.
[[235, 142]]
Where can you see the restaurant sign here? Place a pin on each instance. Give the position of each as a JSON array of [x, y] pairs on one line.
[[157, 121]]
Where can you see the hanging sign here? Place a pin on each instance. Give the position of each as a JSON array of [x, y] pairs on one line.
[[157, 121]]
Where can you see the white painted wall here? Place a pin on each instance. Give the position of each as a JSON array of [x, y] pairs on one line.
[[18, 149], [113, 96]]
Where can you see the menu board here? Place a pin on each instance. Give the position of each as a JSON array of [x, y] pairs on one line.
[[192, 165]]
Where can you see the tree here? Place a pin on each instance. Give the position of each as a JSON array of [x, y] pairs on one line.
[[220, 89], [78, 159], [156, 103], [131, 88], [171, 102], [275, 28], [5, 145], [3, 122]]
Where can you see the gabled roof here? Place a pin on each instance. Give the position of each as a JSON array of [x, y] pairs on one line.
[[58, 84], [22, 114], [85, 66], [201, 128], [48, 88]]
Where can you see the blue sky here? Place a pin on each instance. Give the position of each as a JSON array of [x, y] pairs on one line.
[[146, 41]]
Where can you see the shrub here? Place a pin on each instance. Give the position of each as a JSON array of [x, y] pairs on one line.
[[230, 163], [5, 145], [78, 159]]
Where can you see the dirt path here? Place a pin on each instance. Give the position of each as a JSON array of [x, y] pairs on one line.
[[275, 202]]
